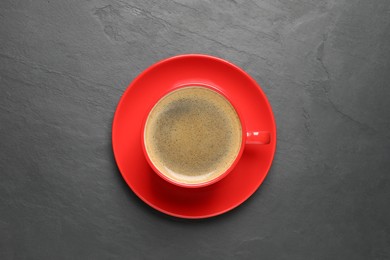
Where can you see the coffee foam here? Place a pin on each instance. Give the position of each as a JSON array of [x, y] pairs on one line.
[[193, 135]]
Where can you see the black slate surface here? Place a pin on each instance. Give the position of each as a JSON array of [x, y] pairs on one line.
[[325, 66]]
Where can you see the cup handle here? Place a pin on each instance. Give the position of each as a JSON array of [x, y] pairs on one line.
[[258, 137]]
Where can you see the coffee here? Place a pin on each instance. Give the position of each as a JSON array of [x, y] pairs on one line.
[[193, 135]]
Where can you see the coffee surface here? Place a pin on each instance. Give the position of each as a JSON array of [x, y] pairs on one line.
[[193, 135]]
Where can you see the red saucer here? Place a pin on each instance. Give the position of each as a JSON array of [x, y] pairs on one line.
[[136, 102]]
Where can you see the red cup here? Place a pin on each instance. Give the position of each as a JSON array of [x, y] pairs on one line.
[[249, 137]]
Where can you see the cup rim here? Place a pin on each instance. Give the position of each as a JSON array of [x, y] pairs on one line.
[[219, 177]]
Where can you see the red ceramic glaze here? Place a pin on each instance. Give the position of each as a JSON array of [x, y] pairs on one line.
[[257, 137], [248, 173]]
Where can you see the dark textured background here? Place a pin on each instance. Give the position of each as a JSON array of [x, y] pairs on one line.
[[325, 66]]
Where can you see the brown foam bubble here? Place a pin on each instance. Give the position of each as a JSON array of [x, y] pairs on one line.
[[193, 135]]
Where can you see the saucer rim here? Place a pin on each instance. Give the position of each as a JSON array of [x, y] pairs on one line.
[[260, 92]]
